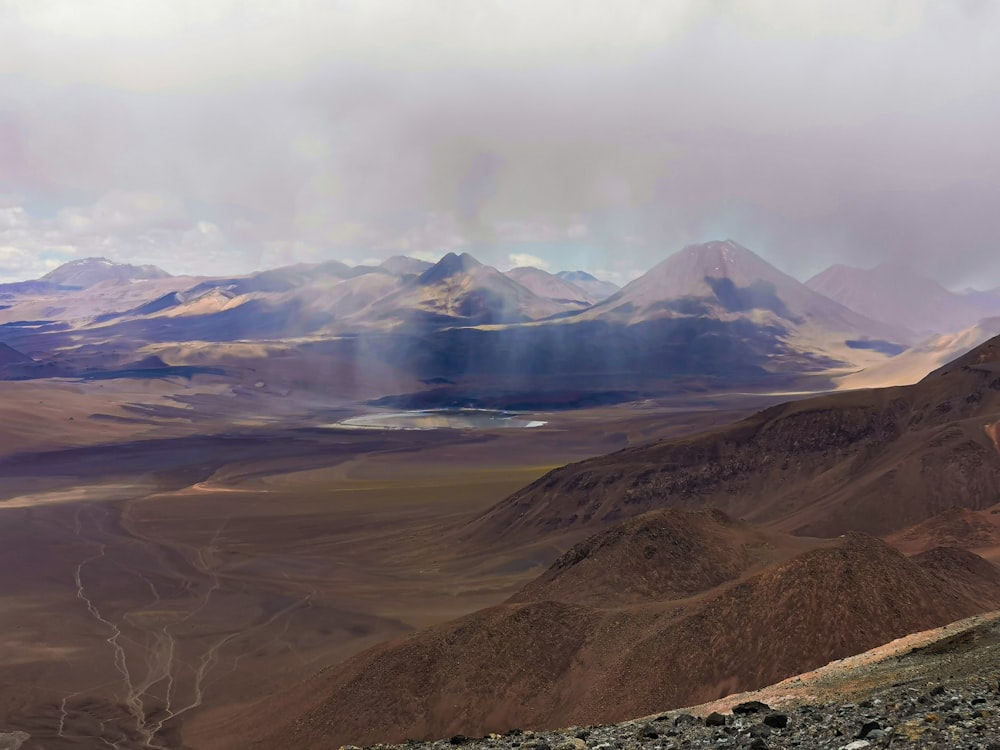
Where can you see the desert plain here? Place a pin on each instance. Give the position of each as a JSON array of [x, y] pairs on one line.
[[162, 569]]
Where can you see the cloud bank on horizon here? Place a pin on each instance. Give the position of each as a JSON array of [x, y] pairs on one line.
[[221, 136]]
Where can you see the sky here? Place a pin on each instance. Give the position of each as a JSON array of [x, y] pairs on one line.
[[224, 136]]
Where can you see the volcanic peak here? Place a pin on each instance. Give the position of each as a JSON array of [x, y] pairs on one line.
[[572, 276], [722, 259], [450, 265], [719, 272], [87, 272]]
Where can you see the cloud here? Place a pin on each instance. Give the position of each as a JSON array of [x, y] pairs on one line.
[[120, 212], [13, 218], [132, 228], [853, 131], [17, 263], [424, 255], [526, 259]]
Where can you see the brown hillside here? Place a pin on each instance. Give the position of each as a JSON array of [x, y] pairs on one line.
[[977, 530], [661, 555], [820, 606], [872, 460], [961, 572], [545, 663]]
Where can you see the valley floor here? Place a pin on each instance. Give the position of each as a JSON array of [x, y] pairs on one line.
[[157, 580]]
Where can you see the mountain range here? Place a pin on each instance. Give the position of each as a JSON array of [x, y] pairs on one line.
[[711, 316]]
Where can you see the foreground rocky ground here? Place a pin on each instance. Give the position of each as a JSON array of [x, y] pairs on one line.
[[939, 689]]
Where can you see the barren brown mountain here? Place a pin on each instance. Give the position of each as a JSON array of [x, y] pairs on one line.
[[703, 631], [873, 460]]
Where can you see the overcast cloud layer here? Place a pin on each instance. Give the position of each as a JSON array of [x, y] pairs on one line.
[[217, 136]]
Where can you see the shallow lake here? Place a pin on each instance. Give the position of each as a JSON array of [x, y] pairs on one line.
[[436, 419]]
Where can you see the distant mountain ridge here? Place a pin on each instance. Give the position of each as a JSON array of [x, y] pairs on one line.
[[897, 295], [459, 290], [714, 315], [403, 265], [589, 283], [87, 272], [552, 286]]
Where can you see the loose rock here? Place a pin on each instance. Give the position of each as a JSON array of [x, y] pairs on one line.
[[778, 721], [750, 707]]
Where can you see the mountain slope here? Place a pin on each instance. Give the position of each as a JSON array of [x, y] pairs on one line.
[[589, 283], [712, 314], [725, 281], [458, 290], [899, 296], [913, 364], [975, 530], [876, 460], [15, 289], [550, 286], [287, 302], [986, 301], [282, 279], [664, 554], [11, 356], [403, 265], [544, 663]]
